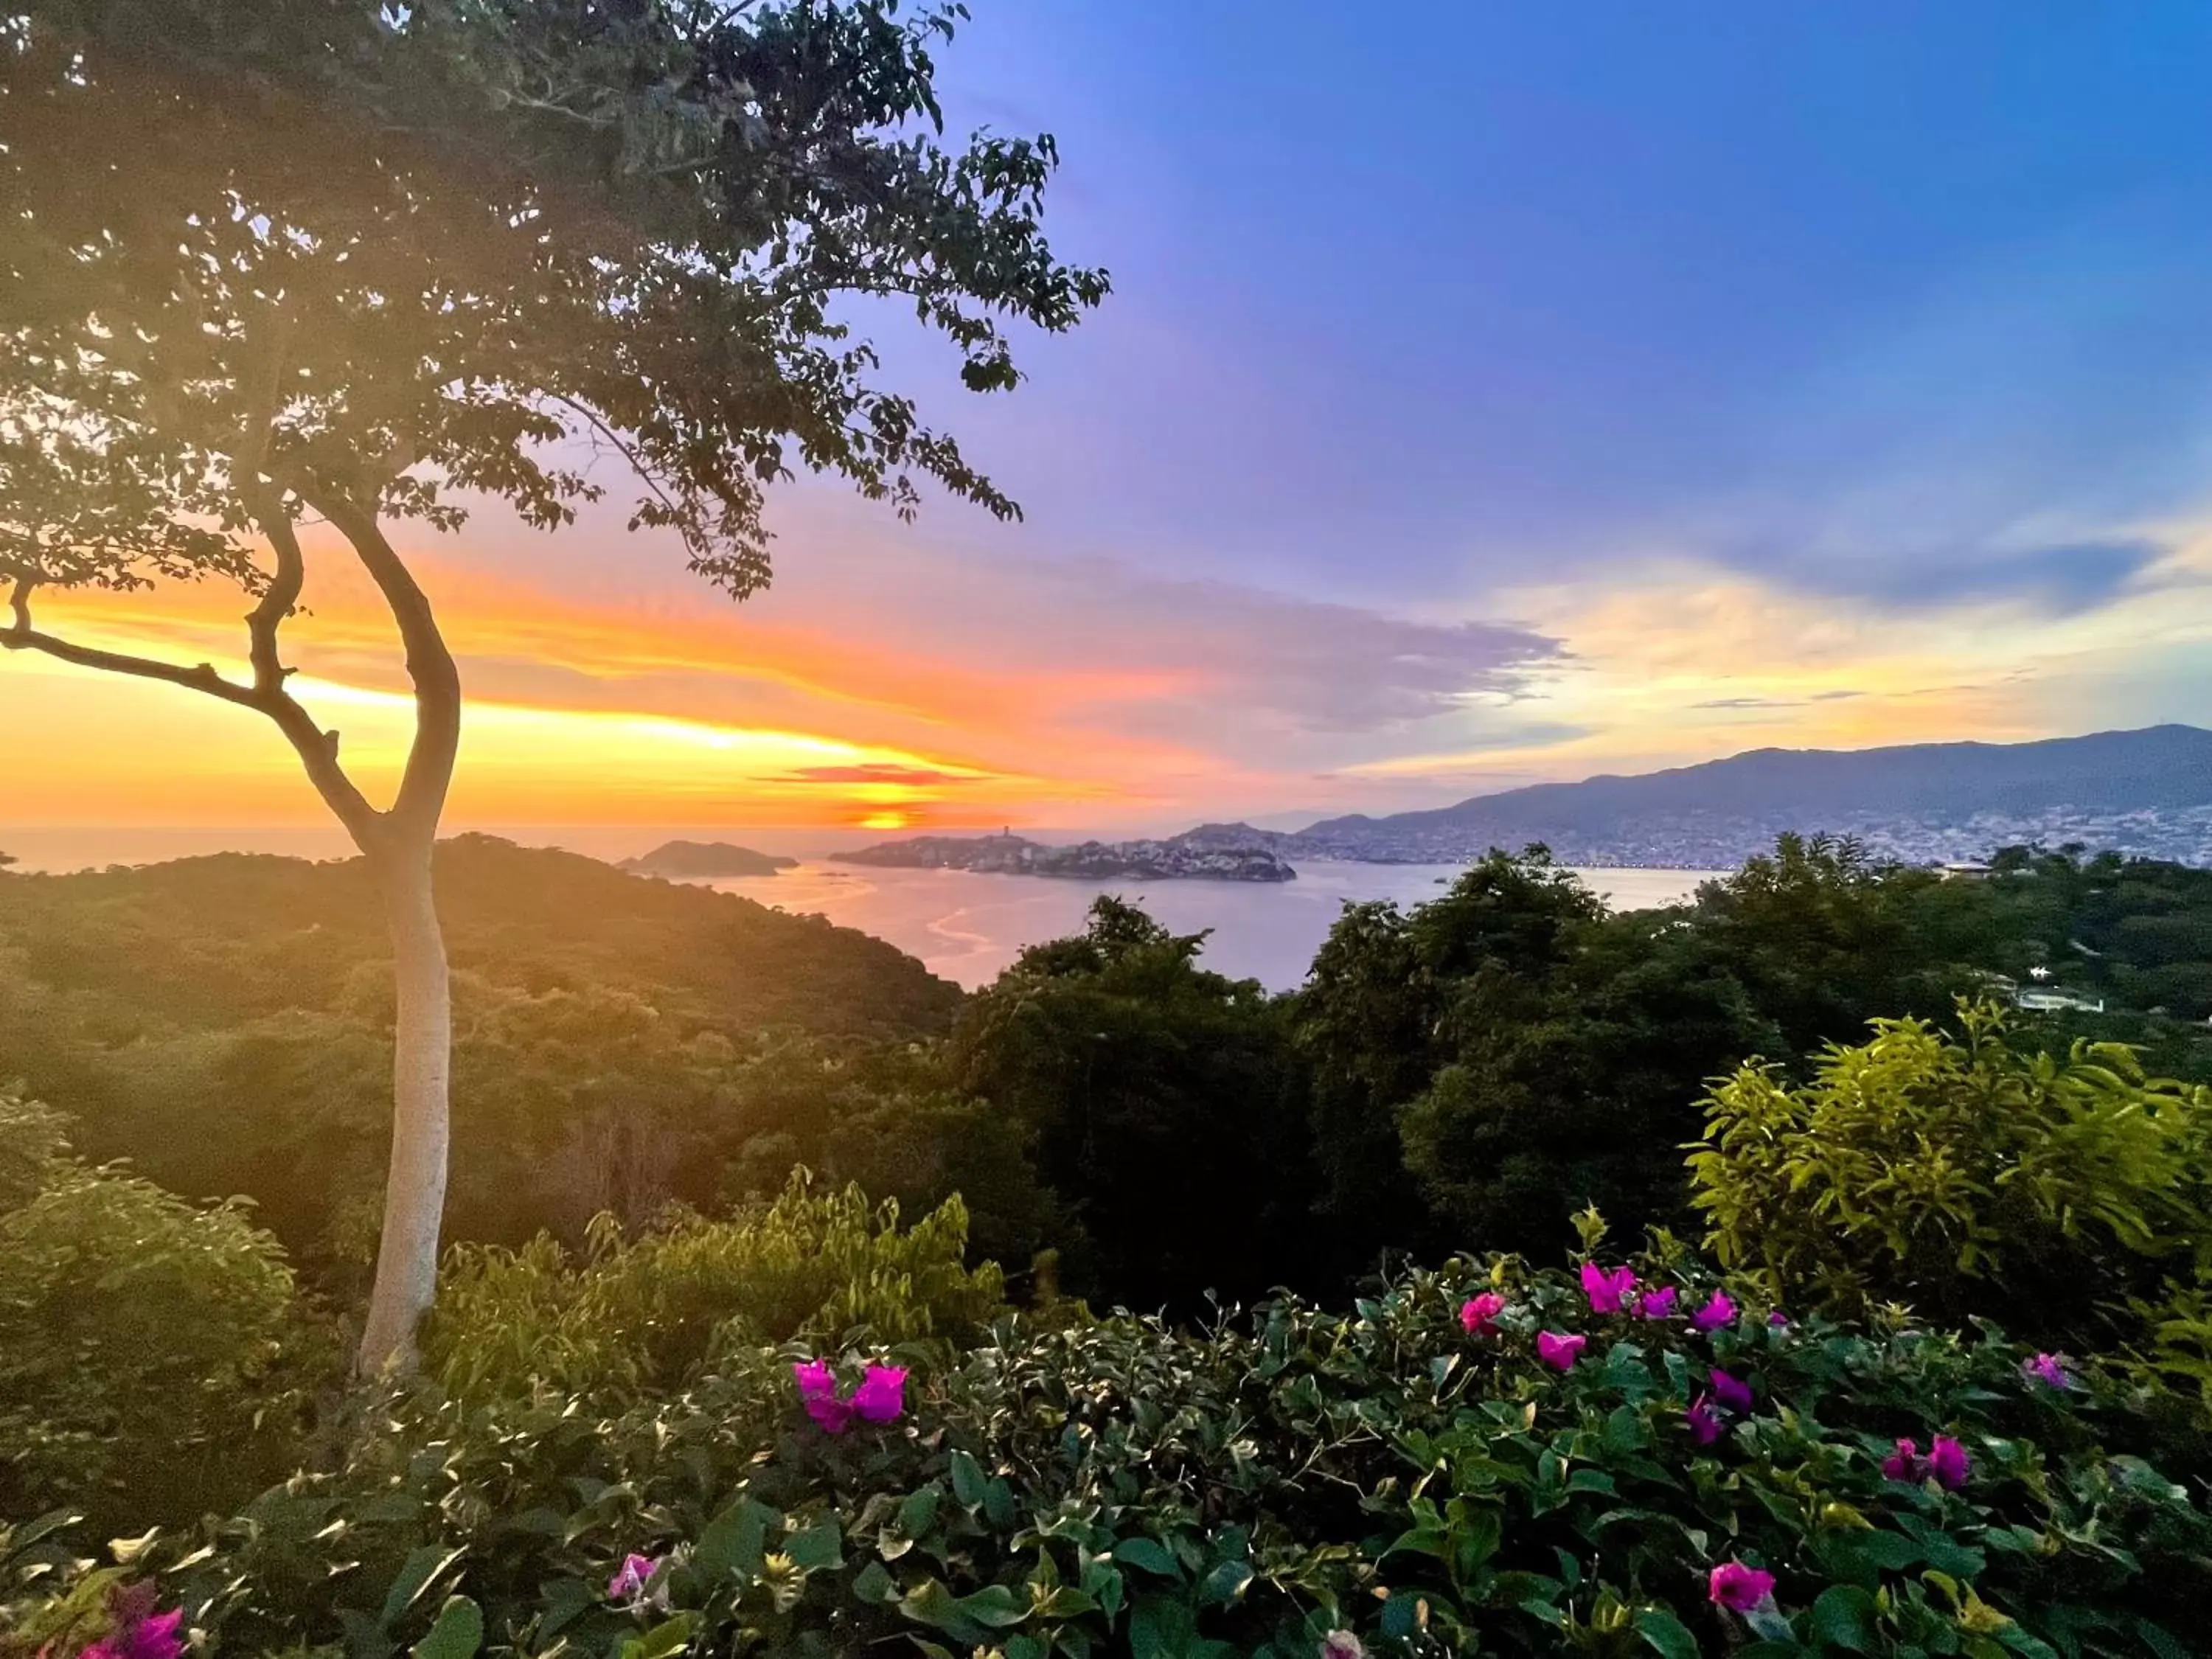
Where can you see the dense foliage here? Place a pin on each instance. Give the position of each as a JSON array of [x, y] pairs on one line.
[[1475, 1459], [1531, 1473], [1162, 1104], [650, 1313], [1471, 1070], [1519, 1051], [225, 1024], [149, 1347], [1963, 1176]]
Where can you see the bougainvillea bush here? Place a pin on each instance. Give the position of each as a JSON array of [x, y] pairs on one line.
[[1626, 1459]]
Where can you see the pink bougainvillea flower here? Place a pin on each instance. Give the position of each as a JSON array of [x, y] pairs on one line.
[[159, 1637], [1734, 1395], [1904, 1464], [1716, 1312], [2051, 1369], [1656, 1304], [1779, 1320], [1606, 1289], [630, 1580], [882, 1394], [1738, 1588], [1560, 1351], [1704, 1422], [1478, 1313], [817, 1392], [1949, 1463], [1342, 1644]]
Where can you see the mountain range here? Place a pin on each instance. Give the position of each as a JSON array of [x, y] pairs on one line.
[[2146, 792]]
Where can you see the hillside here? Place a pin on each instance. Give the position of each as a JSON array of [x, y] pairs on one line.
[[687, 860], [2146, 792], [223, 1023]]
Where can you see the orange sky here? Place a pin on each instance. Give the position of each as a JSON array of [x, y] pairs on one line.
[[890, 684]]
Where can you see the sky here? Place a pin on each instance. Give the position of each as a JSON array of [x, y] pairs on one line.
[[1490, 394]]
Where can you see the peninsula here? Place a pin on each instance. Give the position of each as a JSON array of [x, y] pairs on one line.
[[1211, 852], [681, 860]]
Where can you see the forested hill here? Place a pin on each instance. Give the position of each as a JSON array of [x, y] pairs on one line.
[[224, 1023], [234, 936], [2146, 793]]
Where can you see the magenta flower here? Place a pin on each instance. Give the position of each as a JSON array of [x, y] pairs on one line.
[[1560, 1351], [155, 1637], [1656, 1304], [1342, 1644], [882, 1394], [2051, 1369], [1949, 1463], [1717, 1312], [1904, 1464], [1733, 1395], [1779, 1320], [817, 1392], [1606, 1289], [1704, 1422], [1477, 1315], [632, 1578], [1738, 1588]]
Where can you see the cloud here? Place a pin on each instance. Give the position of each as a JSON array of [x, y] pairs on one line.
[[912, 776], [1776, 702]]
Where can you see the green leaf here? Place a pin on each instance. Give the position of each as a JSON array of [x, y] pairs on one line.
[[1844, 1618], [1224, 1584], [1669, 1635], [456, 1633], [1148, 1553], [421, 1569], [918, 1511], [995, 1606], [873, 1584], [665, 1640], [968, 1479], [735, 1540], [1064, 1602], [818, 1549], [1161, 1627]]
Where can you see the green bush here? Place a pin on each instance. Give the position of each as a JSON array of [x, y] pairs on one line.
[[141, 1340], [649, 1311], [1962, 1177], [1124, 1488]]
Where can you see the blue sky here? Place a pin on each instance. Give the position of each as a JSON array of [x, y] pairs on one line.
[[1859, 296], [1490, 394]]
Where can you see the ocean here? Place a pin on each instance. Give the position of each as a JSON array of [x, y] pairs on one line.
[[963, 926]]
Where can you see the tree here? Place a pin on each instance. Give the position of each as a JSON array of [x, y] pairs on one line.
[[276, 264], [1165, 1105]]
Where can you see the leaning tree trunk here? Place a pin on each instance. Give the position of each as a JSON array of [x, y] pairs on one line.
[[422, 1066]]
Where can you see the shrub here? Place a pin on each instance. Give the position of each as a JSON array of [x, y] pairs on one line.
[[650, 1311], [1962, 1177], [140, 1339], [1120, 1487]]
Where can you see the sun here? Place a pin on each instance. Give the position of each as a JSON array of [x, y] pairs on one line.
[[890, 820]]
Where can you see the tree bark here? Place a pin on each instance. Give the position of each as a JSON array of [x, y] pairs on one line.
[[422, 1063]]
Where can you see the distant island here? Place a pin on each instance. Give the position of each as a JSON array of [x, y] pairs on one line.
[[2147, 793], [1213, 852], [691, 860]]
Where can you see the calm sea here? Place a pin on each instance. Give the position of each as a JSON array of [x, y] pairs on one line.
[[963, 926]]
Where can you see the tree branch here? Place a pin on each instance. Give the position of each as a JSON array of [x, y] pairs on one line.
[[429, 770], [317, 749]]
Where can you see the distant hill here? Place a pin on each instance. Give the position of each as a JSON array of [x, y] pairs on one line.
[[2147, 791], [1213, 852], [235, 936], [680, 861], [224, 1024]]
